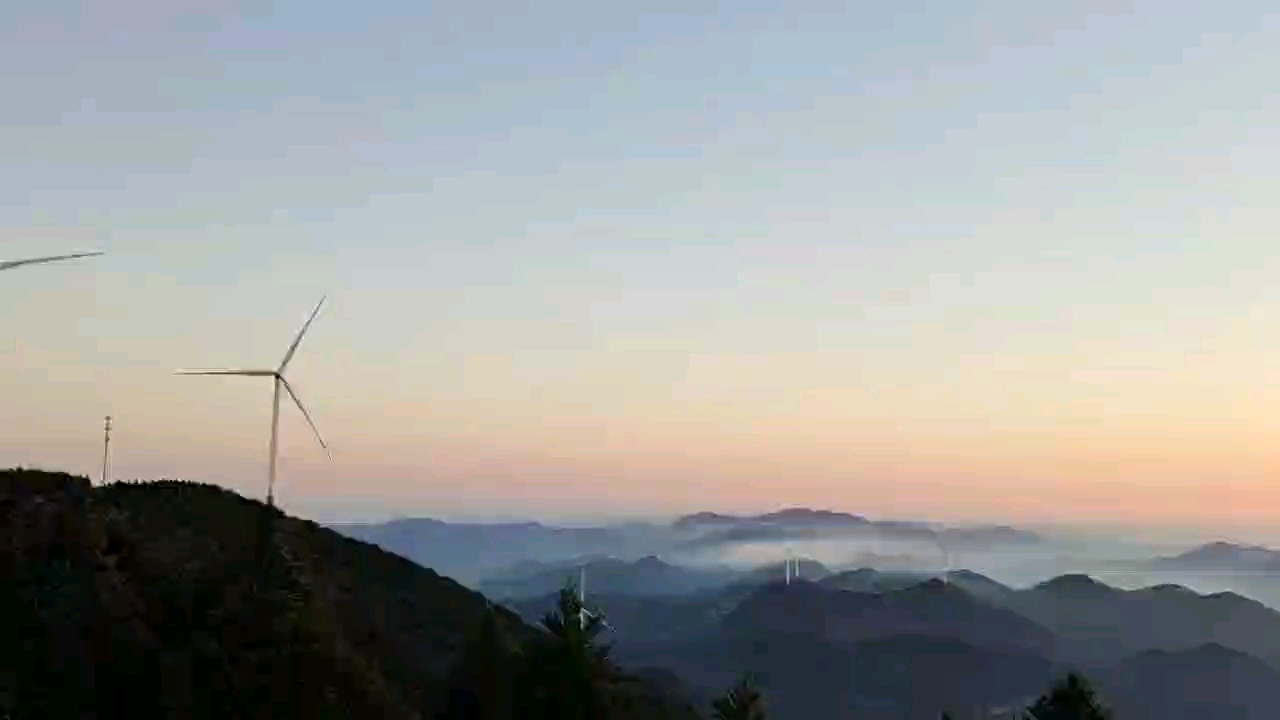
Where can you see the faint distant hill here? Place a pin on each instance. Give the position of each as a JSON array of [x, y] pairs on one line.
[[1222, 557], [807, 568], [870, 580], [702, 520], [468, 551], [788, 516], [1209, 681], [981, 586], [648, 576], [1096, 623], [987, 535], [749, 581], [798, 523]]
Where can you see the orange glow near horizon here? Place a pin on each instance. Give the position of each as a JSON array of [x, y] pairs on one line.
[[686, 272]]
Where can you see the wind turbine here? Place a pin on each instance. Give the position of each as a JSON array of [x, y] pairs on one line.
[[791, 567], [11, 264], [946, 558], [583, 612], [279, 382], [582, 600]]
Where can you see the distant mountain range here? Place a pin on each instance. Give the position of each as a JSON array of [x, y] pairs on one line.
[[648, 576], [931, 608], [1096, 623], [470, 552], [1209, 681], [905, 648], [1222, 557], [644, 577], [796, 523], [874, 643]]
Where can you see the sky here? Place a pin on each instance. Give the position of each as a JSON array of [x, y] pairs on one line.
[[946, 260]]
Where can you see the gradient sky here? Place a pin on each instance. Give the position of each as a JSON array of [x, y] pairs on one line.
[[933, 259]]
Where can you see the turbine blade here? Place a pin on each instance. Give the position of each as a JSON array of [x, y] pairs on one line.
[[297, 401], [298, 340], [244, 373], [54, 258]]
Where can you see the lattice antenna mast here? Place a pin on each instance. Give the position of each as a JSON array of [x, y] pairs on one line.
[[106, 449]]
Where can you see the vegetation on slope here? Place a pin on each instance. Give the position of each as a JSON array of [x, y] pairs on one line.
[[183, 600]]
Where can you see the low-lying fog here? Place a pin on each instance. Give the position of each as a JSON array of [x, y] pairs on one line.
[[474, 552], [1116, 562]]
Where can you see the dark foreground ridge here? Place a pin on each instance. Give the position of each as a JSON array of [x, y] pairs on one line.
[[183, 600]]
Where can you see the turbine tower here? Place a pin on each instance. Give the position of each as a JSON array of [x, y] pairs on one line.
[[582, 600], [106, 448], [946, 558], [791, 567], [279, 381], [11, 264]]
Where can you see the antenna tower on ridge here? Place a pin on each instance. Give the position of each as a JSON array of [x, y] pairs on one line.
[[106, 448]]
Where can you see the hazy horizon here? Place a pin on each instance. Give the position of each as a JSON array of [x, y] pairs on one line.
[[975, 263]]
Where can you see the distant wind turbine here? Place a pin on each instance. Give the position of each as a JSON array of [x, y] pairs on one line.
[[791, 567], [280, 382], [946, 559], [582, 599], [583, 613], [11, 264]]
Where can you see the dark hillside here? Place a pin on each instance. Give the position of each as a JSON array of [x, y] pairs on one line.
[[176, 599]]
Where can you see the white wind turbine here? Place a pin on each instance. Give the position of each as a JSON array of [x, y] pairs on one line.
[[791, 566], [280, 382], [582, 599], [583, 613], [946, 558], [11, 264]]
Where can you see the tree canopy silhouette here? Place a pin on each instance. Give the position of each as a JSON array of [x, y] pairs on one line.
[[1072, 698], [481, 686], [567, 668], [743, 701]]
